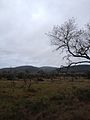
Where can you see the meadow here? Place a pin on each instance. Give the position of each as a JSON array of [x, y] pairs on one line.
[[46, 100]]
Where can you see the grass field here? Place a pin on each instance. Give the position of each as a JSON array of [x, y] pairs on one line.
[[57, 100]]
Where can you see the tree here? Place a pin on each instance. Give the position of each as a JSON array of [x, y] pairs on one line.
[[73, 41]]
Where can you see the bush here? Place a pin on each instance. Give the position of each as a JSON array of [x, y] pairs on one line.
[[88, 75], [83, 94], [40, 79]]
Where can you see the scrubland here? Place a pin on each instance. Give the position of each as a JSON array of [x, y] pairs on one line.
[[46, 100]]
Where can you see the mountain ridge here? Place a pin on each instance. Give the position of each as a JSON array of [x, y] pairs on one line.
[[47, 69]]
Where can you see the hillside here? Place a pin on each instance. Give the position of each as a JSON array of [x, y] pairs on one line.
[[77, 69], [47, 69], [30, 69]]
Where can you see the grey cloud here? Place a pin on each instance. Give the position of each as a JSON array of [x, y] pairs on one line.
[[23, 24]]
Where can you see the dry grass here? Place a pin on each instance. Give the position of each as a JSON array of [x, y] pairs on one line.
[[57, 100]]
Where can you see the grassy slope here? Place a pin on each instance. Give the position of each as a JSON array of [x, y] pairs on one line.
[[62, 100]]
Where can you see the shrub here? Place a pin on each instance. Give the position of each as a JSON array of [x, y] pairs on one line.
[[83, 94]]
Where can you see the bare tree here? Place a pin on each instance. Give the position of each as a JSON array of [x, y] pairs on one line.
[[71, 40]]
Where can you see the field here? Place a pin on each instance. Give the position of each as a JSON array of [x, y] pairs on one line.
[[46, 100]]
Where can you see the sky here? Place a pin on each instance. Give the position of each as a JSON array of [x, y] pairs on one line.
[[23, 24]]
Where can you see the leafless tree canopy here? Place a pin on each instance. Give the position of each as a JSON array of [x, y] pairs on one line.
[[72, 40]]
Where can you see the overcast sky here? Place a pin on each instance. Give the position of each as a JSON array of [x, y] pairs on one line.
[[23, 24]]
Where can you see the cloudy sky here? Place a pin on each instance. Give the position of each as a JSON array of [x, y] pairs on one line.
[[23, 24]]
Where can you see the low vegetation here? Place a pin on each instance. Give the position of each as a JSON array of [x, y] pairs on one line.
[[45, 100]]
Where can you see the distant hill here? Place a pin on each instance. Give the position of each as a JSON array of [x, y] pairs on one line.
[[77, 69], [47, 69], [30, 69]]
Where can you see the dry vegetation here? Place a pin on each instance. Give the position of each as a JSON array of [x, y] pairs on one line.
[[57, 100]]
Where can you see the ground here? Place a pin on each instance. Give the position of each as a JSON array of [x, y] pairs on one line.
[[50, 100]]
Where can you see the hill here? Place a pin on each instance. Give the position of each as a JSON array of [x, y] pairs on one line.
[[30, 69], [77, 69], [47, 69]]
